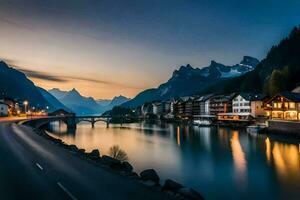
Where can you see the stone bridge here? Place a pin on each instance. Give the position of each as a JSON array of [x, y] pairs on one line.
[[70, 120], [92, 119]]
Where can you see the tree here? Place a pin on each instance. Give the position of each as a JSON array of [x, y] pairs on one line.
[[277, 82], [117, 153]]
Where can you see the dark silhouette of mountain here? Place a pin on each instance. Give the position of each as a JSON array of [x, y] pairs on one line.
[[103, 102], [14, 84], [57, 93], [110, 103], [76, 102], [116, 101], [188, 80], [85, 105], [53, 102], [279, 71]]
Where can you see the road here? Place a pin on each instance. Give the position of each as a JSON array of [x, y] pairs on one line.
[[31, 167]]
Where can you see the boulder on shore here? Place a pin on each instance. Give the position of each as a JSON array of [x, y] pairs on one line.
[[94, 154], [171, 185], [191, 194], [58, 141], [81, 151], [126, 166], [149, 174], [112, 162], [133, 175], [73, 148]]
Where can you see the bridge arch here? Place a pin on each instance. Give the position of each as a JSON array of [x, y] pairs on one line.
[[92, 119], [71, 121]]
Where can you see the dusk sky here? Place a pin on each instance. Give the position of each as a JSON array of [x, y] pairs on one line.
[[106, 48]]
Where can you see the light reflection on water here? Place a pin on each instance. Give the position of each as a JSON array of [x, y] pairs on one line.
[[218, 162], [240, 163]]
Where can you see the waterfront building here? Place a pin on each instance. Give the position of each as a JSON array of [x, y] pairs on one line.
[[172, 107], [201, 106], [168, 111], [166, 107], [188, 110], [284, 106], [196, 107], [181, 107], [157, 108], [245, 106], [4, 109], [9, 101], [204, 104], [201, 113], [146, 110], [13, 106], [220, 104]]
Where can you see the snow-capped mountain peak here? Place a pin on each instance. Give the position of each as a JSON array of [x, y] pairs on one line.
[[188, 80]]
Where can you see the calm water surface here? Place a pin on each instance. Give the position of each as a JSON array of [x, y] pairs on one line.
[[218, 162]]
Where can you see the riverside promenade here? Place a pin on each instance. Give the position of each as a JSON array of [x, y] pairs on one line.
[[32, 167]]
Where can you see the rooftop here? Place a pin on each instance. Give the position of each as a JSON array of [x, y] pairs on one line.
[[253, 96]]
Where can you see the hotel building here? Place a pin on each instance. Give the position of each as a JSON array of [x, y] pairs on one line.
[[284, 106]]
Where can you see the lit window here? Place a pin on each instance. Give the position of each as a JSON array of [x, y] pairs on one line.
[[275, 105], [286, 104], [279, 105], [292, 105], [290, 115]]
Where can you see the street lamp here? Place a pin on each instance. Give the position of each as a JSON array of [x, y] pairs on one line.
[[25, 103]]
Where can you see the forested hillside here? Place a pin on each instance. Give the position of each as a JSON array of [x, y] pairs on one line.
[[279, 71]]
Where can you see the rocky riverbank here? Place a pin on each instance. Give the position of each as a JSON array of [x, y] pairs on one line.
[[148, 177]]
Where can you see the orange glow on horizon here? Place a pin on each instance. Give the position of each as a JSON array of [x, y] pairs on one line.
[[87, 89]]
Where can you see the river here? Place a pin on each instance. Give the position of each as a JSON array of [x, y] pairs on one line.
[[221, 163]]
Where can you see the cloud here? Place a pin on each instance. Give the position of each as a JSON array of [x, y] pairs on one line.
[[63, 79], [42, 75]]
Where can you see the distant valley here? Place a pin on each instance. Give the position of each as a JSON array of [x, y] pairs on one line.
[[86, 105]]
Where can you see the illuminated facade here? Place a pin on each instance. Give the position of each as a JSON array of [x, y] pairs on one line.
[[284, 106], [245, 106]]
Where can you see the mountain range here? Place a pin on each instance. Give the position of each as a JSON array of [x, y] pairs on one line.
[[85, 105], [188, 80], [56, 104], [278, 72], [14, 84]]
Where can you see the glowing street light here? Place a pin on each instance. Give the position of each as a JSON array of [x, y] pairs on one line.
[[25, 103]]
